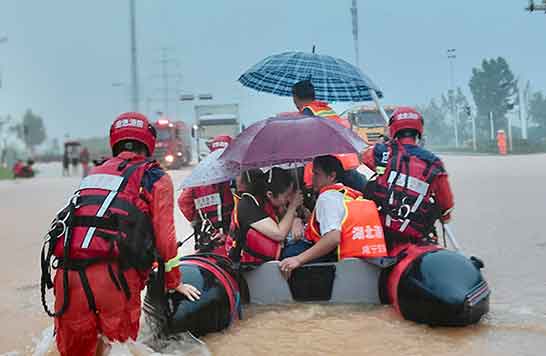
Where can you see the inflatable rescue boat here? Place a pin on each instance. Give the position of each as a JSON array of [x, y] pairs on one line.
[[426, 284]]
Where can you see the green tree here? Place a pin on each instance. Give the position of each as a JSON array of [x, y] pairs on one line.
[[493, 87], [437, 130], [537, 109], [31, 130], [439, 122]]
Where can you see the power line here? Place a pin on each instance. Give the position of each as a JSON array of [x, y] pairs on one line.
[[167, 76]]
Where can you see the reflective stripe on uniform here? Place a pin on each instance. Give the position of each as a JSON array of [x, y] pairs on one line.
[[100, 181], [172, 263], [208, 201], [414, 184]]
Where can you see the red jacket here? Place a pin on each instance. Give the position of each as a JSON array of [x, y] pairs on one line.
[[439, 187], [186, 203], [118, 317], [162, 212]]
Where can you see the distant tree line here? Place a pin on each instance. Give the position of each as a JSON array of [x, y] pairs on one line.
[[494, 90]]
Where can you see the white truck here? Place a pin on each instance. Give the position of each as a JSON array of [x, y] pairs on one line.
[[212, 121]]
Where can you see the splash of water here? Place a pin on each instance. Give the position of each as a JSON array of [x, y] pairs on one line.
[[147, 344]]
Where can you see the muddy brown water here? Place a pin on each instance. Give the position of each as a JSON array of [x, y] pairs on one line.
[[500, 217]]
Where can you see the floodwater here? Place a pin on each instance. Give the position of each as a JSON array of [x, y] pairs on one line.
[[500, 217]]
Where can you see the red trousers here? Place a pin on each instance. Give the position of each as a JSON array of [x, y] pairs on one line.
[[117, 317]]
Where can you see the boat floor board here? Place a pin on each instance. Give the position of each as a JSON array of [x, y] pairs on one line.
[[356, 281]]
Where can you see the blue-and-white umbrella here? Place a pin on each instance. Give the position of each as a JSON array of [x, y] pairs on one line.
[[334, 79]]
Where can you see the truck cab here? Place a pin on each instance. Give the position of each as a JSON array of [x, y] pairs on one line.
[[368, 123], [212, 121], [173, 144]]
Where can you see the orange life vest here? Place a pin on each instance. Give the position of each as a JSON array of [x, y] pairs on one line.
[[501, 142], [320, 108], [255, 247], [361, 230], [348, 160]]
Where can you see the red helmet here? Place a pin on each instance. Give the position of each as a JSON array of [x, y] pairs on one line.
[[133, 126], [405, 118], [219, 142]]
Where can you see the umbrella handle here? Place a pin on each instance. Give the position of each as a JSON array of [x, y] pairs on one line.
[[379, 106], [297, 179]]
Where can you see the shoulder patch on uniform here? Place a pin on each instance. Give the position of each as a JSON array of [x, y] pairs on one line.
[[151, 176], [381, 157]]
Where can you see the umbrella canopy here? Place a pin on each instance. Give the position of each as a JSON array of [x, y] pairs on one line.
[[211, 170], [290, 139], [334, 79]]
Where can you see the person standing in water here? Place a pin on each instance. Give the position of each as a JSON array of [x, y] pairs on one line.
[[120, 221]]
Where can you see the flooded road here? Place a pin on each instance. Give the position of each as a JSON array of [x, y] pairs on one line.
[[500, 216]]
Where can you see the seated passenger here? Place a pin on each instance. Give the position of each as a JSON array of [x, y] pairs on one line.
[[257, 231], [341, 218]]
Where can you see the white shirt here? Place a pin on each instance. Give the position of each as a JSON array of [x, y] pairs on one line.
[[330, 211]]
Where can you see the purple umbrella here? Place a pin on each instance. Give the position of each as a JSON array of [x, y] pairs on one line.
[[290, 139]]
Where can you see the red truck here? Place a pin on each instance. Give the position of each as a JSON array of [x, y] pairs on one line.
[[173, 143]]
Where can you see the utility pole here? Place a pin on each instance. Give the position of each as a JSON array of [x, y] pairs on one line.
[[492, 126], [468, 111], [522, 99], [354, 14], [134, 63], [451, 55], [509, 114], [165, 78]]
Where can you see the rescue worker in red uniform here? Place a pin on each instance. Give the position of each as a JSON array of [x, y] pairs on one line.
[[411, 186], [342, 220], [303, 94], [209, 208], [501, 142], [117, 224]]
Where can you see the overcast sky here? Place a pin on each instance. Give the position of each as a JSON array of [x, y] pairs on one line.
[[63, 56]]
